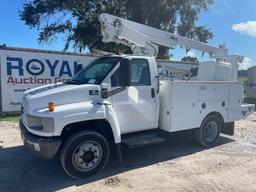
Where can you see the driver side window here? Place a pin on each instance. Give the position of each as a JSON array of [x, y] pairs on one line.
[[140, 74]]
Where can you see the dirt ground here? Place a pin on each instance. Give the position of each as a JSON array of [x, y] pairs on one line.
[[176, 165]]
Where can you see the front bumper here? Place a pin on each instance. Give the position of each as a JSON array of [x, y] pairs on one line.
[[45, 147]]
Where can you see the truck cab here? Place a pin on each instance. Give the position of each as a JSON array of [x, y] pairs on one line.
[[113, 95]]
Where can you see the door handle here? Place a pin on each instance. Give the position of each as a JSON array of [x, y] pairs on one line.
[[153, 93]]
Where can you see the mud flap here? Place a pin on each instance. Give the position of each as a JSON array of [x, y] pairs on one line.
[[228, 128]]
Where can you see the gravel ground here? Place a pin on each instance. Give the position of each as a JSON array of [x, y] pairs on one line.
[[176, 165]]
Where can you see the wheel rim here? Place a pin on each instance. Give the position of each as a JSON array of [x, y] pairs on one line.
[[211, 131], [87, 156]]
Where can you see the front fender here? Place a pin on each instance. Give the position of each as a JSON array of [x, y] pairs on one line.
[[113, 121], [93, 111], [77, 112]]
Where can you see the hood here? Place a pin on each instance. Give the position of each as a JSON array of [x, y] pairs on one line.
[[59, 94]]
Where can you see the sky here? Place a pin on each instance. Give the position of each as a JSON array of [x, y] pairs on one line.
[[233, 22]]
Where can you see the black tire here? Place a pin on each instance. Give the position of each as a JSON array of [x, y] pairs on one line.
[[209, 132], [79, 152]]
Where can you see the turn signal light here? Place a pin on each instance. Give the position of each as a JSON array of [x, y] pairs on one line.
[[51, 106]]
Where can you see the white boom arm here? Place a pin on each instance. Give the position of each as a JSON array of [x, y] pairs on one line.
[[143, 39]]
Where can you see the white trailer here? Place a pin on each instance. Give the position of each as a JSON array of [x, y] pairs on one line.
[[252, 76], [120, 100], [251, 88]]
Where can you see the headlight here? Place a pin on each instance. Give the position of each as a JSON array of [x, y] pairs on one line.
[[45, 124], [34, 123], [48, 124]]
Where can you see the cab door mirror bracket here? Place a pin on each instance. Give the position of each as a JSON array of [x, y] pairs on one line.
[[105, 93]]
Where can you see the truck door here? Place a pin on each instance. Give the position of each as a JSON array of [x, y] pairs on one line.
[[136, 107]]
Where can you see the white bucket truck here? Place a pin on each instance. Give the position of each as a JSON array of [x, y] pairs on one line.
[[120, 100]]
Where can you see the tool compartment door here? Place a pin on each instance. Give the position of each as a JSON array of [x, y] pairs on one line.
[[235, 102], [184, 108]]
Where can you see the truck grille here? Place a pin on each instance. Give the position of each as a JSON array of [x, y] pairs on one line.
[[25, 107], [25, 120], [25, 103]]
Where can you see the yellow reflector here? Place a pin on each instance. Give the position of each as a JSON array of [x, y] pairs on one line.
[[51, 106]]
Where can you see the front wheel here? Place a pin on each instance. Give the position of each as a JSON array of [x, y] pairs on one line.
[[84, 154], [209, 131]]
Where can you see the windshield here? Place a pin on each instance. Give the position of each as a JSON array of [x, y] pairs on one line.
[[96, 71]]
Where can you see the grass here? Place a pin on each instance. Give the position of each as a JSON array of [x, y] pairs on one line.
[[10, 118]]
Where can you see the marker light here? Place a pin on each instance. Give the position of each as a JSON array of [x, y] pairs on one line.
[[51, 106]]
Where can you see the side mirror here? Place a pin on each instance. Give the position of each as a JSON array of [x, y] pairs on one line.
[[122, 76]]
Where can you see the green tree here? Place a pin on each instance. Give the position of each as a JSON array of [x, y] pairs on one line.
[[77, 20]]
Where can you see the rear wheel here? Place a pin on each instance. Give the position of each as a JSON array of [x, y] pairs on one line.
[[84, 154], [209, 131]]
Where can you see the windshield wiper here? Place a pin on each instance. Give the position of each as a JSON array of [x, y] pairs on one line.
[[73, 82]]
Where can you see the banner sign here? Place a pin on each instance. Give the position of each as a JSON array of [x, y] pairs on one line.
[[22, 70]]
